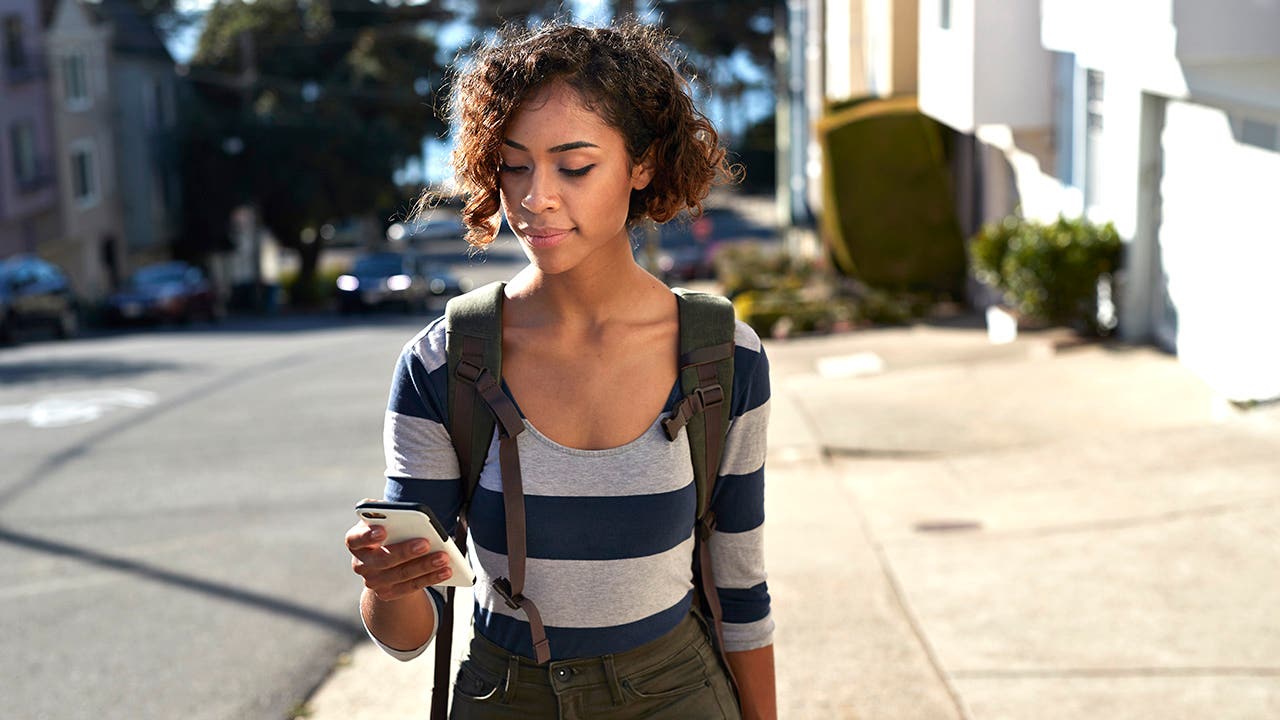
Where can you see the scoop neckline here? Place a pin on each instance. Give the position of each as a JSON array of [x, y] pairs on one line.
[[601, 452]]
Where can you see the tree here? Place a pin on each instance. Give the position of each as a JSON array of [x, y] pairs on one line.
[[316, 104]]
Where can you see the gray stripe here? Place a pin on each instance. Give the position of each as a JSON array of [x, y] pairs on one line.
[[745, 337], [429, 346], [417, 448], [745, 445], [648, 465], [591, 593], [738, 558], [748, 636]]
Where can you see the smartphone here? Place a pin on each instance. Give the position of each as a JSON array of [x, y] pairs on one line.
[[407, 521]]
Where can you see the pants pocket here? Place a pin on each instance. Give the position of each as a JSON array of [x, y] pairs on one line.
[[683, 674], [477, 685]]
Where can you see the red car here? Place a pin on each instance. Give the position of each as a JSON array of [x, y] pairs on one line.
[[170, 291]]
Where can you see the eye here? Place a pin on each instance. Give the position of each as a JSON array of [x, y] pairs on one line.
[[578, 172], [503, 167]]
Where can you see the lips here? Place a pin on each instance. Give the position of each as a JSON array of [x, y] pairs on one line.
[[546, 237]]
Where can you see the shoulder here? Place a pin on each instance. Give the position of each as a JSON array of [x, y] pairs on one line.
[[427, 348], [745, 338], [750, 370]]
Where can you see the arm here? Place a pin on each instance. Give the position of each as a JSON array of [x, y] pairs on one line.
[[421, 467], [753, 669], [395, 610], [737, 544]]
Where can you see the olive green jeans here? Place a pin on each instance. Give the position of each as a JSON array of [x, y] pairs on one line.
[[678, 675]]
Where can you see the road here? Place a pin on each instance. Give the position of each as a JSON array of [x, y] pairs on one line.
[[172, 504]]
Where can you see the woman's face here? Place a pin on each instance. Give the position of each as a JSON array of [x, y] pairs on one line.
[[566, 180]]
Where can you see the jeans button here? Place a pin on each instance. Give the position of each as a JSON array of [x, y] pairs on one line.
[[563, 673]]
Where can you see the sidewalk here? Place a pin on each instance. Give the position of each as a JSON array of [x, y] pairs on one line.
[[961, 530]]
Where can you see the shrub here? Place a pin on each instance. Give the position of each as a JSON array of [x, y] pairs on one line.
[[1048, 272]]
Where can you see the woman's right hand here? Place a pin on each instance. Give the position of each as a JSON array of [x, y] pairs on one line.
[[392, 572]]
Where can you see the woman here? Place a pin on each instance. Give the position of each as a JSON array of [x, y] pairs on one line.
[[576, 135]]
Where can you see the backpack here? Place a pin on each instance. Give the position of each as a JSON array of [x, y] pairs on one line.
[[477, 405]]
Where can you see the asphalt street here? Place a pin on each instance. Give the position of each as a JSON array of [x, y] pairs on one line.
[[172, 503]]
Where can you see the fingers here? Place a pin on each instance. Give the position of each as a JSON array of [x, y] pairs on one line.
[[363, 536], [414, 574]]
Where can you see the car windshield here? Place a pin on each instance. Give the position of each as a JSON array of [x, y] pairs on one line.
[[379, 265], [158, 275]]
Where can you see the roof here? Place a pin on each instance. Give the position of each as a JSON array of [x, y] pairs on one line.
[[133, 32]]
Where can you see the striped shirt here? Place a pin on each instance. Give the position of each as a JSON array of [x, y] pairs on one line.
[[610, 533]]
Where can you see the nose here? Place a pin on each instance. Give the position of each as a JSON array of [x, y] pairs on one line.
[[542, 195]]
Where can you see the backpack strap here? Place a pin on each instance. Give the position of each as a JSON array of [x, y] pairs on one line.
[[476, 404], [706, 375]]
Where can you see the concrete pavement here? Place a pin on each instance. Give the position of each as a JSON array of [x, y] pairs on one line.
[[960, 530]]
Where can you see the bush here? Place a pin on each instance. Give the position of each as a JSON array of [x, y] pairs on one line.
[[1048, 272]]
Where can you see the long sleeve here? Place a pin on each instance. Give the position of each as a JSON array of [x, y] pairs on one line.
[[737, 545], [421, 466]]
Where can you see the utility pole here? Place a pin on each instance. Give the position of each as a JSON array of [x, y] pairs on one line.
[[248, 81]]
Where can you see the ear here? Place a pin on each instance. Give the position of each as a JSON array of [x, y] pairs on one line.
[[642, 172]]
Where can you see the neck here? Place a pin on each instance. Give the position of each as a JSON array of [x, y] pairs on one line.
[[606, 287]]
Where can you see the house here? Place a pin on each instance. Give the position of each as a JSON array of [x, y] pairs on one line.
[[115, 87], [28, 191], [1159, 116]]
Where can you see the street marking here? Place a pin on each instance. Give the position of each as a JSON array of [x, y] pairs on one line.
[[856, 365], [75, 408]]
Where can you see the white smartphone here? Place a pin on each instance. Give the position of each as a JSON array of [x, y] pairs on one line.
[[407, 521]]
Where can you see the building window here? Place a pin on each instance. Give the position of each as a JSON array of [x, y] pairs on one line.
[[75, 81], [15, 53], [84, 174], [22, 138], [944, 14]]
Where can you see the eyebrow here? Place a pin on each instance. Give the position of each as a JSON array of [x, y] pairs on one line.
[[557, 149]]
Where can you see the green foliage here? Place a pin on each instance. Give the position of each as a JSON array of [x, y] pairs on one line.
[[1049, 272], [889, 220], [779, 295]]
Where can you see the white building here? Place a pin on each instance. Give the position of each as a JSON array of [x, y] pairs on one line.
[[1158, 115]]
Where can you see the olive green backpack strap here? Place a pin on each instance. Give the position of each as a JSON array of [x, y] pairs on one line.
[[473, 343], [706, 376], [473, 325]]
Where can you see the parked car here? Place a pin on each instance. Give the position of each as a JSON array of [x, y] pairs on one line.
[[35, 293], [396, 279], [170, 291]]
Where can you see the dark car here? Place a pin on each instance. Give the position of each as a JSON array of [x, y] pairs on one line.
[[170, 291], [394, 279], [35, 294]]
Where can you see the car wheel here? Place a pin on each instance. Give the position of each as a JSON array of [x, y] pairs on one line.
[[68, 324]]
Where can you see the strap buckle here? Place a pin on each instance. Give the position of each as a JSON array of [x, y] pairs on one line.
[[468, 370], [701, 399], [709, 396], [502, 586]]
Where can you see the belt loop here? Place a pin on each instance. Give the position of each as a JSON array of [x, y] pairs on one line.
[[513, 679], [611, 675]]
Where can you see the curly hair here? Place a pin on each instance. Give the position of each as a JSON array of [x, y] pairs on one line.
[[622, 73]]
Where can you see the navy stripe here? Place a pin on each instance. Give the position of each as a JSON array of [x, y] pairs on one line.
[[589, 528], [568, 643], [739, 501], [750, 380], [416, 392], [444, 497], [744, 606]]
